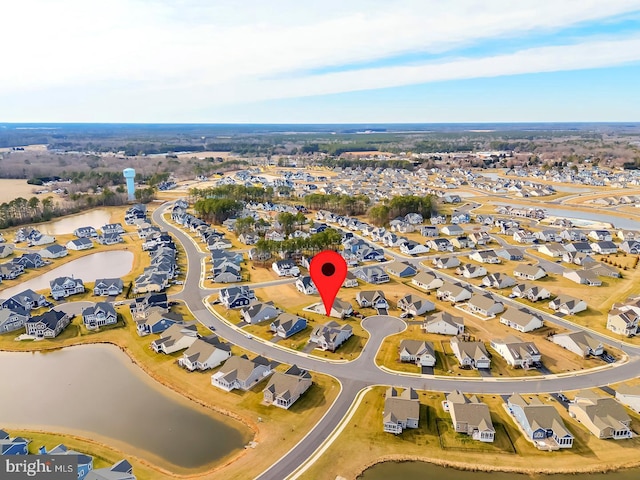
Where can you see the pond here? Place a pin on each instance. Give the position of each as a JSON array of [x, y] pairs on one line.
[[422, 470], [96, 391], [109, 264], [94, 218]]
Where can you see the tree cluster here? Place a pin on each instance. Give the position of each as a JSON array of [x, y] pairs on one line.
[[217, 210], [340, 204], [329, 239], [381, 214]]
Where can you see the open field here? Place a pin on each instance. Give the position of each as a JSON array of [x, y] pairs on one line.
[[363, 443], [14, 188]]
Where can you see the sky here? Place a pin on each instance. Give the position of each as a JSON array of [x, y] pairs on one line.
[[320, 61]]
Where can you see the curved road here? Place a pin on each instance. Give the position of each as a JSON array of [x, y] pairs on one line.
[[362, 372]]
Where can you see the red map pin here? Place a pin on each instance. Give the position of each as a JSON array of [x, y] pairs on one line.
[[328, 271]]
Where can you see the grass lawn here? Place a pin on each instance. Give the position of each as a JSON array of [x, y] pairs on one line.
[[278, 431], [363, 443]]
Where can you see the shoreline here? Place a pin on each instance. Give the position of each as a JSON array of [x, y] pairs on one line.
[[196, 474], [490, 468]]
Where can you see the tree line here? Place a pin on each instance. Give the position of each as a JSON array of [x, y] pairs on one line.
[[383, 213], [329, 239], [340, 204]]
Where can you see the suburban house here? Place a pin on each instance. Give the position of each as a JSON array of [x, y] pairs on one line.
[[372, 298], [470, 416], [109, 239], [623, 317], [53, 251], [305, 285], [99, 315], [485, 305], [175, 338], [554, 250], [157, 320], [583, 277], [521, 319], [469, 270], [440, 245], [237, 296], [80, 244], [40, 240], [530, 291], [580, 343], [604, 417], [13, 446], [529, 272], [372, 274], [285, 388], [10, 270], [413, 248], [604, 247], [62, 287], [462, 242], [485, 256], [340, 309], [498, 281], [85, 232], [111, 228], [330, 335], [600, 235], [205, 353], [259, 312], [11, 320], [141, 306], [418, 352], [47, 325], [443, 323], [241, 373], [109, 287], [29, 260], [401, 269], [287, 324], [452, 230], [5, 250], [512, 254], [350, 281], [285, 268], [401, 410], [121, 470], [445, 262], [470, 354], [629, 395], [541, 423], [25, 300], [517, 352], [427, 281], [567, 304], [415, 305], [453, 292]]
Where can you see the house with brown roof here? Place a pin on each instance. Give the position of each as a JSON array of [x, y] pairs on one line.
[[453, 292], [401, 410], [629, 395], [542, 424], [604, 417], [285, 388], [427, 281], [529, 272], [470, 416], [415, 305], [521, 319], [242, 373], [443, 323], [485, 305], [470, 354]]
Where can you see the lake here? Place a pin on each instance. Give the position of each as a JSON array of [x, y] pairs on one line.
[[94, 218], [422, 470], [109, 264], [96, 391]]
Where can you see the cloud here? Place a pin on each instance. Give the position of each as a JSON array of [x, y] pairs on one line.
[[172, 46]]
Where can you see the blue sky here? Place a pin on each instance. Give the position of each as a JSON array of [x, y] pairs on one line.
[[329, 61]]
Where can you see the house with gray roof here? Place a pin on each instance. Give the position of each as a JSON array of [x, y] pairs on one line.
[[205, 353], [285, 388], [415, 305], [372, 274], [13, 446], [401, 269], [485, 305], [485, 256], [259, 312], [603, 416], [121, 470], [629, 395], [175, 338], [580, 342], [286, 325], [5, 250], [99, 315], [445, 262], [372, 298], [427, 280], [453, 292], [401, 410], [63, 287], [26, 300], [77, 244], [418, 352], [108, 287], [470, 354], [516, 352], [529, 272], [530, 291], [241, 373], [521, 319], [542, 424], [54, 251], [11, 320], [331, 335], [567, 304], [443, 323], [470, 416], [583, 277], [47, 325], [498, 281]]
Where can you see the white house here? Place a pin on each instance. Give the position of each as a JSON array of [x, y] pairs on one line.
[[516, 352], [443, 323], [285, 268], [580, 343], [418, 352], [521, 319], [567, 304]]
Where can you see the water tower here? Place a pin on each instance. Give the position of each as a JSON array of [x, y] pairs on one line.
[[130, 175]]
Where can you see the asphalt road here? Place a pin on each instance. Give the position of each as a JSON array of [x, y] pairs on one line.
[[354, 375]]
